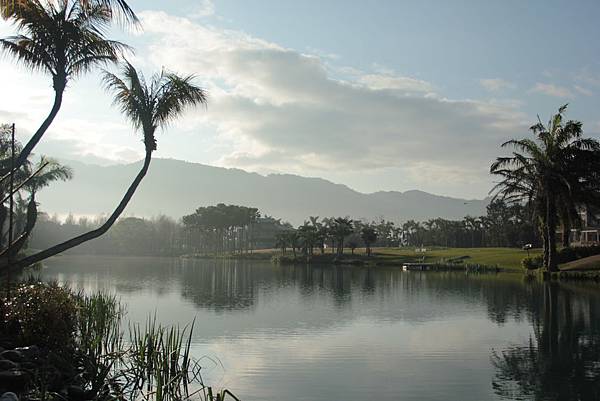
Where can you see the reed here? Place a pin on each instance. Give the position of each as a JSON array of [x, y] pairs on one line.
[[100, 339]]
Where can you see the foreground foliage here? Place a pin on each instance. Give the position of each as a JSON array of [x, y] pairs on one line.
[[75, 348]]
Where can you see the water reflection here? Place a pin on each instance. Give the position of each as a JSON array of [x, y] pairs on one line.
[[561, 361], [330, 332]]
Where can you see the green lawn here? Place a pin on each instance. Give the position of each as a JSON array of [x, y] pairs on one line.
[[507, 258]]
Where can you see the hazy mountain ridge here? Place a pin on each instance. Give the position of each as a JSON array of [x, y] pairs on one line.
[[176, 188]]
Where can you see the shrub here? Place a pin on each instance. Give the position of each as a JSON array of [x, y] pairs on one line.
[[41, 314], [585, 251], [569, 254], [283, 260], [566, 255], [532, 263]]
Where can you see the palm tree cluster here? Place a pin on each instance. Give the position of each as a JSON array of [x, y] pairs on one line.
[[555, 172], [27, 181], [335, 233], [222, 228], [504, 225], [66, 39]]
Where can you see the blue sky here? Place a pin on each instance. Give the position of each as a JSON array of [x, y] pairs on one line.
[[379, 95]]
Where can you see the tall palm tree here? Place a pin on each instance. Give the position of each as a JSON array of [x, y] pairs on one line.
[[63, 39], [555, 170], [149, 106]]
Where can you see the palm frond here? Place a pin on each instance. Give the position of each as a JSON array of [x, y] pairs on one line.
[[154, 104]]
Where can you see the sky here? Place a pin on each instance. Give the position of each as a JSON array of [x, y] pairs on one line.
[[377, 95]]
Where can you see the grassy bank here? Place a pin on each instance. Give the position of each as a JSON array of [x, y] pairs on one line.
[[507, 259]]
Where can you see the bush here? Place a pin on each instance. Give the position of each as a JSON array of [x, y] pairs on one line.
[[283, 260], [585, 251], [569, 254], [566, 255], [41, 314], [532, 263]]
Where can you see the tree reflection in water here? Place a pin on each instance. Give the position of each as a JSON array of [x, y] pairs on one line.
[[561, 361]]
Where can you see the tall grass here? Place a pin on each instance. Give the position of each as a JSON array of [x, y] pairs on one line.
[[159, 365], [100, 339], [154, 364]]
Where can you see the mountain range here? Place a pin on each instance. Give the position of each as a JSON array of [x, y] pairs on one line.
[[176, 188]]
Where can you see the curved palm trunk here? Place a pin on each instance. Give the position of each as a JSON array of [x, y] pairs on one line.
[[73, 242], [15, 247], [28, 148]]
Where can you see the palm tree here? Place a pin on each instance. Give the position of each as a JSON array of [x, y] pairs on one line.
[[321, 232], [49, 170], [555, 170], [307, 234], [368, 233], [41, 175], [341, 227], [64, 39], [149, 106], [470, 224]]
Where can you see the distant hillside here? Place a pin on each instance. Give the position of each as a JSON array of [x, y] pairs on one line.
[[176, 188]]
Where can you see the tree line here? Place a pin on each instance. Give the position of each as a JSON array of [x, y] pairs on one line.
[[212, 230], [504, 225], [230, 229], [235, 230]]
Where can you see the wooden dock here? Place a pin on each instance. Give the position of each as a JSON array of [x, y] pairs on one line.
[[420, 266]]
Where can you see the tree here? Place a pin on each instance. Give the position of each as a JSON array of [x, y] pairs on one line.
[[27, 182], [556, 169], [340, 228], [41, 175], [307, 235], [64, 39], [149, 106], [281, 241], [226, 226], [353, 240], [369, 235]]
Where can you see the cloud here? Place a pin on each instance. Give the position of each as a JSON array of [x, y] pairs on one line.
[[496, 84], [282, 109], [552, 90], [583, 90], [393, 82], [65, 140], [205, 8], [588, 77]]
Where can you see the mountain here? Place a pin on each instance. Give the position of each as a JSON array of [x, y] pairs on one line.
[[176, 188]]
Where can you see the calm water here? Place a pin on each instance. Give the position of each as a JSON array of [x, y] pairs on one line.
[[332, 333]]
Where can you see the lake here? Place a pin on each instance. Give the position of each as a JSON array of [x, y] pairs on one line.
[[350, 333]]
